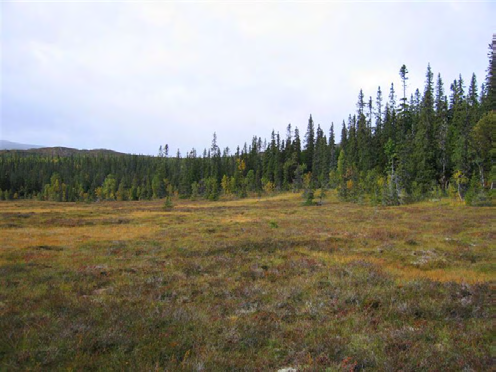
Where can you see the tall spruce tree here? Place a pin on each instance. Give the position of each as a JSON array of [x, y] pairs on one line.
[[442, 127], [332, 149], [424, 152], [309, 144], [404, 78], [489, 102]]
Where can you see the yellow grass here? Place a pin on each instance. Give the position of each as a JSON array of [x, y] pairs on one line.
[[350, 232]]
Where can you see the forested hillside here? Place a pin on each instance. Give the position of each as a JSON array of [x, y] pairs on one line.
[[394, 149]]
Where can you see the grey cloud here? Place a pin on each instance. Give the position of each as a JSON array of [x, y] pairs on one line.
[[135, 76]]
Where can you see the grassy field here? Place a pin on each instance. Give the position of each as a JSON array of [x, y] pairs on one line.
[[253, 284]]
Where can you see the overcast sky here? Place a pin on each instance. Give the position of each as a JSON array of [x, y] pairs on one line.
[[132, 76]]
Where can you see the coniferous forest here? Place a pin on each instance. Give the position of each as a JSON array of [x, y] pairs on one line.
[[393, 149]]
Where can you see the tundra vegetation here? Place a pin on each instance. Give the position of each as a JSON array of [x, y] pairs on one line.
[[246, 284]]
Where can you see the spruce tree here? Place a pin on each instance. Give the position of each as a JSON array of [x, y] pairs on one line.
[[490, 86], [442, 128], [461, 129], [363, 140], [297, 146], [404, 78], [332, 149], [309, 145], [424, 151]]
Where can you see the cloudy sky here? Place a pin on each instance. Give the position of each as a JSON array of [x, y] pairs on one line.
[[132, 76]]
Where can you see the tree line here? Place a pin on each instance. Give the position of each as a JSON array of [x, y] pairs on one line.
[[392, 150]]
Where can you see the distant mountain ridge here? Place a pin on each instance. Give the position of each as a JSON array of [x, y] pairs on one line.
[[9, 145], [64, 151]]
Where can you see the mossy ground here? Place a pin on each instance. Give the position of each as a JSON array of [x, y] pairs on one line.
[[252, 284]]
